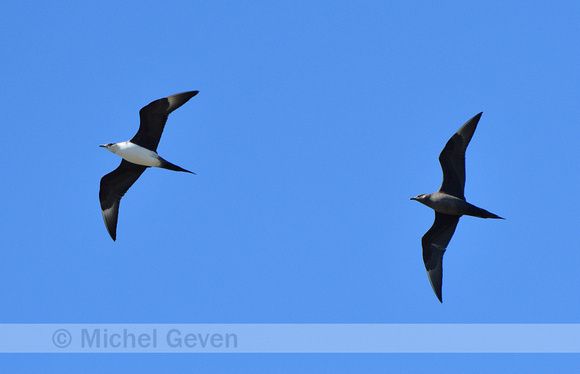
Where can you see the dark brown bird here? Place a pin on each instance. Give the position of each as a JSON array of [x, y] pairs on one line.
[[449, 204]]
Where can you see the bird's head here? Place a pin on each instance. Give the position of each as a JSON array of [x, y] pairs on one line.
[[111, 147], [420, 198]]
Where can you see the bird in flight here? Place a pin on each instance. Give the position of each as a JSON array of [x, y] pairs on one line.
[[449, 203], [138, 154]]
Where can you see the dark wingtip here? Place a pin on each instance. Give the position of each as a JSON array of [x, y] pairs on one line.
[[175, 101], [112, 234], [476, 117], [110, 226], [190, 94], [439, 296], [437, 288]]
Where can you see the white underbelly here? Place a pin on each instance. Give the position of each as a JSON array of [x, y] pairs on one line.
[[138, 155]]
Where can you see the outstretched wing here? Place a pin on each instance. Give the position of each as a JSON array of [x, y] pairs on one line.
[[452, 159], [113, 188], [154, 116], [434, 244]]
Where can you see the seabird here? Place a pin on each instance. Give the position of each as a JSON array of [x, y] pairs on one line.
[[138, 154], [449, 203]]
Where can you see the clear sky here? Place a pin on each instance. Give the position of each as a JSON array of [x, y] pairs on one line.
[[315, 123]]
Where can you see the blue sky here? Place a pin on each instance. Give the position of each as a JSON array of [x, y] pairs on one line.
[[314, 125]]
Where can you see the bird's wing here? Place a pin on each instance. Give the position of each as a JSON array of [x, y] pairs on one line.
[[154, 116], [452, 159], [434, 243], [113, 188]]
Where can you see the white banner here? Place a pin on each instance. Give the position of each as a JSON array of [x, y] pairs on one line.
[[289, 338]]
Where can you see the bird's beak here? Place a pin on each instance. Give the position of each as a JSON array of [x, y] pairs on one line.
[[413, 198], [103, 145]]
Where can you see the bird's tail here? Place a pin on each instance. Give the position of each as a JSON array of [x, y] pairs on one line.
[[481, 213], [168, 165]]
